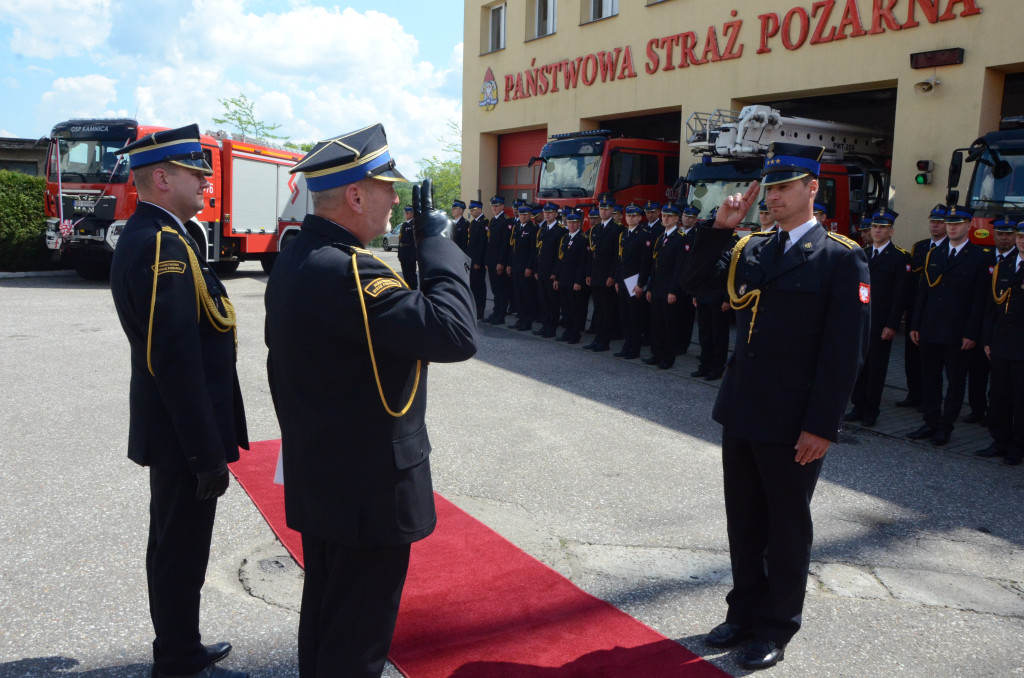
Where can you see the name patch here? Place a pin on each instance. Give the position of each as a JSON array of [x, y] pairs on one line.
[[169, 266], [377, 287]]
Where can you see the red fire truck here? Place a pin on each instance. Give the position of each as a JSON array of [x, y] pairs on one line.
[[580, 166], [252, 208], [997, 184]]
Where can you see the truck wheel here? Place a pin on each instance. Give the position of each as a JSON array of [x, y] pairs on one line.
[[223, 268], [267, 262], [93, 269]]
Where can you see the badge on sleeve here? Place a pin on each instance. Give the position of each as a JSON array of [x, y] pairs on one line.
[[865, 293], [908, 268], [377, 287], [169, 266]]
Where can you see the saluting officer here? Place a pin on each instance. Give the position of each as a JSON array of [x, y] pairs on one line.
[[801, 299], [947, 324], [499, 231], [460, 231], [570, 277], [889, 267], [407, 250], [911, 353], [664, 291], [349, 344], [185, 405], [476, 248], [522, 255], [604, 243], [634, 259], [1004, 345], [549, 235]]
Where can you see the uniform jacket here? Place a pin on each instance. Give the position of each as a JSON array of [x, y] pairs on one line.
[[522, 247], [353, 473], [407, 242], [604, 246], [918, 253], [889, 271], [187, 412], [634, 255], [476, 241], [571, 266], [1004, 316], [667, 259], [951, 297], [794, 370], [460, 233], [548, 240], [656, 228], [499, 232]]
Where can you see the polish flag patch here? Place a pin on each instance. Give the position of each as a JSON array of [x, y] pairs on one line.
[[865, 293], [908, 268]]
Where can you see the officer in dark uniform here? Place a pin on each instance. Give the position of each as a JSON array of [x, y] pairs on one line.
[[522, 255], [1004, 345], [1004, 234], [185, 405], [349, 344], [407, 250], [604, 243], [460, 231], [549, 236], [664, 291], [911, 353], [476, 248], [802, 305], [570, 277], [947, 324], [499, 231], [889, 267], [687, 309], [765, 220], [635, 247], [712, 313]]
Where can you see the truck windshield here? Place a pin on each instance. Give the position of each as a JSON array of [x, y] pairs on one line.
[[708, 195], [1006, 191], [570, 176], [90, 161]]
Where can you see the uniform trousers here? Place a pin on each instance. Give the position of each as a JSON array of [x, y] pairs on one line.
[[570, 302], [583, 307], [478, 286], [350, 603], [713, 334], [935, 358], [665, 324], [606, 312], [180, 528], [525, 293], [499, 292], [409, 271], [1006, 406], [867, 392], [977, 380], [631, 317], [547, 298], [768, 512], [912, 369]]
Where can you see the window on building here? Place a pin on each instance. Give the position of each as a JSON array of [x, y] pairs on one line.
[[599, 9], [545, 18], [497, 25]]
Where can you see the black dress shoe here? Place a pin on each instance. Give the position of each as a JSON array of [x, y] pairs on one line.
[[572, 341], [525, 328], [712, 376], [599, 348], [762, 654], [925, 431], [650, 361], [211, 671], [909, 401], [940, 438], [217, 651], [664, 366], [992, 450], [728, 635], [974, 418], [856, 414], [1012, 460], [621, 354], [699, 373], [869, 420], [539, 332]]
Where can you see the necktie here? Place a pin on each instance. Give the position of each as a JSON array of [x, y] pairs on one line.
[[783, 239], [874, 254], [1020, 265], [952, 256]]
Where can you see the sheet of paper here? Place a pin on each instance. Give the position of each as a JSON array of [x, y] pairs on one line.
[[631, 282]]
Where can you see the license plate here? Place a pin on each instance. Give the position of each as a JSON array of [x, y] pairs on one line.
[[85, 204]]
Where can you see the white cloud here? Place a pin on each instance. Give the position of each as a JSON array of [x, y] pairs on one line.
[[5, 133], [84, 96], [54, 28]]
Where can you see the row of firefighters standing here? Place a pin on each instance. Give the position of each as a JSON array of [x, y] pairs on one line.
[[962, 318]]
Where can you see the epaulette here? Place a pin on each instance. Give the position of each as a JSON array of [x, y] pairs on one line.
[[900, 248], [763, 233], [839, 237]]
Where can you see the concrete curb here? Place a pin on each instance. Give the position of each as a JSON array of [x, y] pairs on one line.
[[36, 274]]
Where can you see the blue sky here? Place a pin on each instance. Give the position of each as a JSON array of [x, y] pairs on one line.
[[317, 68]]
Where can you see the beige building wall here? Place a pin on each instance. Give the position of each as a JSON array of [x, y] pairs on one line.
[[930, 125]]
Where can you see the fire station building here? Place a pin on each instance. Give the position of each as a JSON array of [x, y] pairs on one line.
[[934, 74]]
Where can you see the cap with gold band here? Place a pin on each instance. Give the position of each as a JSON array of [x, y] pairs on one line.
[[177, 146], [788, 162], [349, 158]]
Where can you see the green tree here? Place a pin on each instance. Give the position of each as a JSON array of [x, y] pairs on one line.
[[238, 112], [445, 173]]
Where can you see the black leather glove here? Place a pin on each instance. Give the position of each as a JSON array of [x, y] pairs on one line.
[[426, 221], [213, 483]]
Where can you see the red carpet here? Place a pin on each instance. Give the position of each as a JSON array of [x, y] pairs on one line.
[[476, 606]]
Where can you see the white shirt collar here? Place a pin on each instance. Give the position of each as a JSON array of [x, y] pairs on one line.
[[176, 219], [800, 231], [879, 249], [669, 231]]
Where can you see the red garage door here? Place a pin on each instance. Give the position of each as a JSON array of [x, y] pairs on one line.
[[515, 178]]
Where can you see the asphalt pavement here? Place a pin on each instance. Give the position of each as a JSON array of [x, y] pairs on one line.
[[604, 468]]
